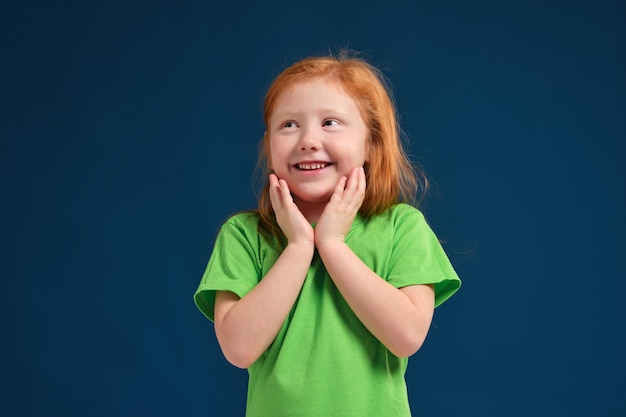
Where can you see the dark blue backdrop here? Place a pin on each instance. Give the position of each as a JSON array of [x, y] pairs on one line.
[[129, 132]]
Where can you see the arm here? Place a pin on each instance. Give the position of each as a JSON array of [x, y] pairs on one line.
[[399, 318], [246, 327]]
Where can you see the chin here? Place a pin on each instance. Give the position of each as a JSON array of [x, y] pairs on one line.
[[313, 198]]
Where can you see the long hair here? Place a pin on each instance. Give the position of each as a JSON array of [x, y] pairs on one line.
[[391, 178]]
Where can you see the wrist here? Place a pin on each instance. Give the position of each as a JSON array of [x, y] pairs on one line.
[[301, 247], [329, 245]]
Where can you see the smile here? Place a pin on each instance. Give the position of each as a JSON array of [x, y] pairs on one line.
[[307, 166]]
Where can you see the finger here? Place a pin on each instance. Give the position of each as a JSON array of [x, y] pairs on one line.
[[339, 189], [353, 179], [274, 189], [273, 179], [361, 181], [355, 189], [352, 183], [285, 193]]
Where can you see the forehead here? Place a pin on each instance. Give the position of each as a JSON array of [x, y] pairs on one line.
[[309, 86], [316, 92]]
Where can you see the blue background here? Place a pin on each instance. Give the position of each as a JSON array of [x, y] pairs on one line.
[[129, 132]]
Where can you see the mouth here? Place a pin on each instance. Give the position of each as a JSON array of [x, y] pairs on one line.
[[311, 166]]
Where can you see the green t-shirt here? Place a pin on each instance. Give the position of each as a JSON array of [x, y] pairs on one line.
[[324, 362]]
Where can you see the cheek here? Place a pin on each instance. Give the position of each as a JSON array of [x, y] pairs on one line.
[[277, 160], [273, 154], [361, 151]]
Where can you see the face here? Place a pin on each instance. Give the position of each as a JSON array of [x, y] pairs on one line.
[[316, 136]]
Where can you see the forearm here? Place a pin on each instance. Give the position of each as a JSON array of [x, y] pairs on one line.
[[400, 322], [246, 327]]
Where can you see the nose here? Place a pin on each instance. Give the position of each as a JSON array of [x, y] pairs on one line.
[[309, 140]]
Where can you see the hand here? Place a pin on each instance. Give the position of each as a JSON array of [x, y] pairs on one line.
[[288, 216], [345, 202]]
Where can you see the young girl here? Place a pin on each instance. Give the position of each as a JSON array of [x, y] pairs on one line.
[[325, 291]]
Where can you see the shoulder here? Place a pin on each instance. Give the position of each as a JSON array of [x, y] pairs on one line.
[[400, 213], [401, 220], [241, 226], [245, 226], [403, 210], [397, 219], [243, 220]]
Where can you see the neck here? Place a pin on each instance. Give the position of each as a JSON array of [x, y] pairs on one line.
[[311, 211]]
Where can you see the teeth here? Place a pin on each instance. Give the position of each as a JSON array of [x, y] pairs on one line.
[[316, 165]]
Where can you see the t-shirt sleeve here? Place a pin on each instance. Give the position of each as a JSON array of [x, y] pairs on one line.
[[418, 258], [233, 266]]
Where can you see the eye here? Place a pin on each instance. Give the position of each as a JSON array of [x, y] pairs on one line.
[[330, 122], [290, 124]]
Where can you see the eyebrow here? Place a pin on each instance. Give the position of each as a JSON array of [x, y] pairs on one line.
[[295, 114]]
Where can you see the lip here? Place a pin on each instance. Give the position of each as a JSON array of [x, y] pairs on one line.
[[311, 165]]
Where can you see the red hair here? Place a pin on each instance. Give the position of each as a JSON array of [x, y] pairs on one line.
[[390, 176]]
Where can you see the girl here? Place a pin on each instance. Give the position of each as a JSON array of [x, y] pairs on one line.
[[325, 291]]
